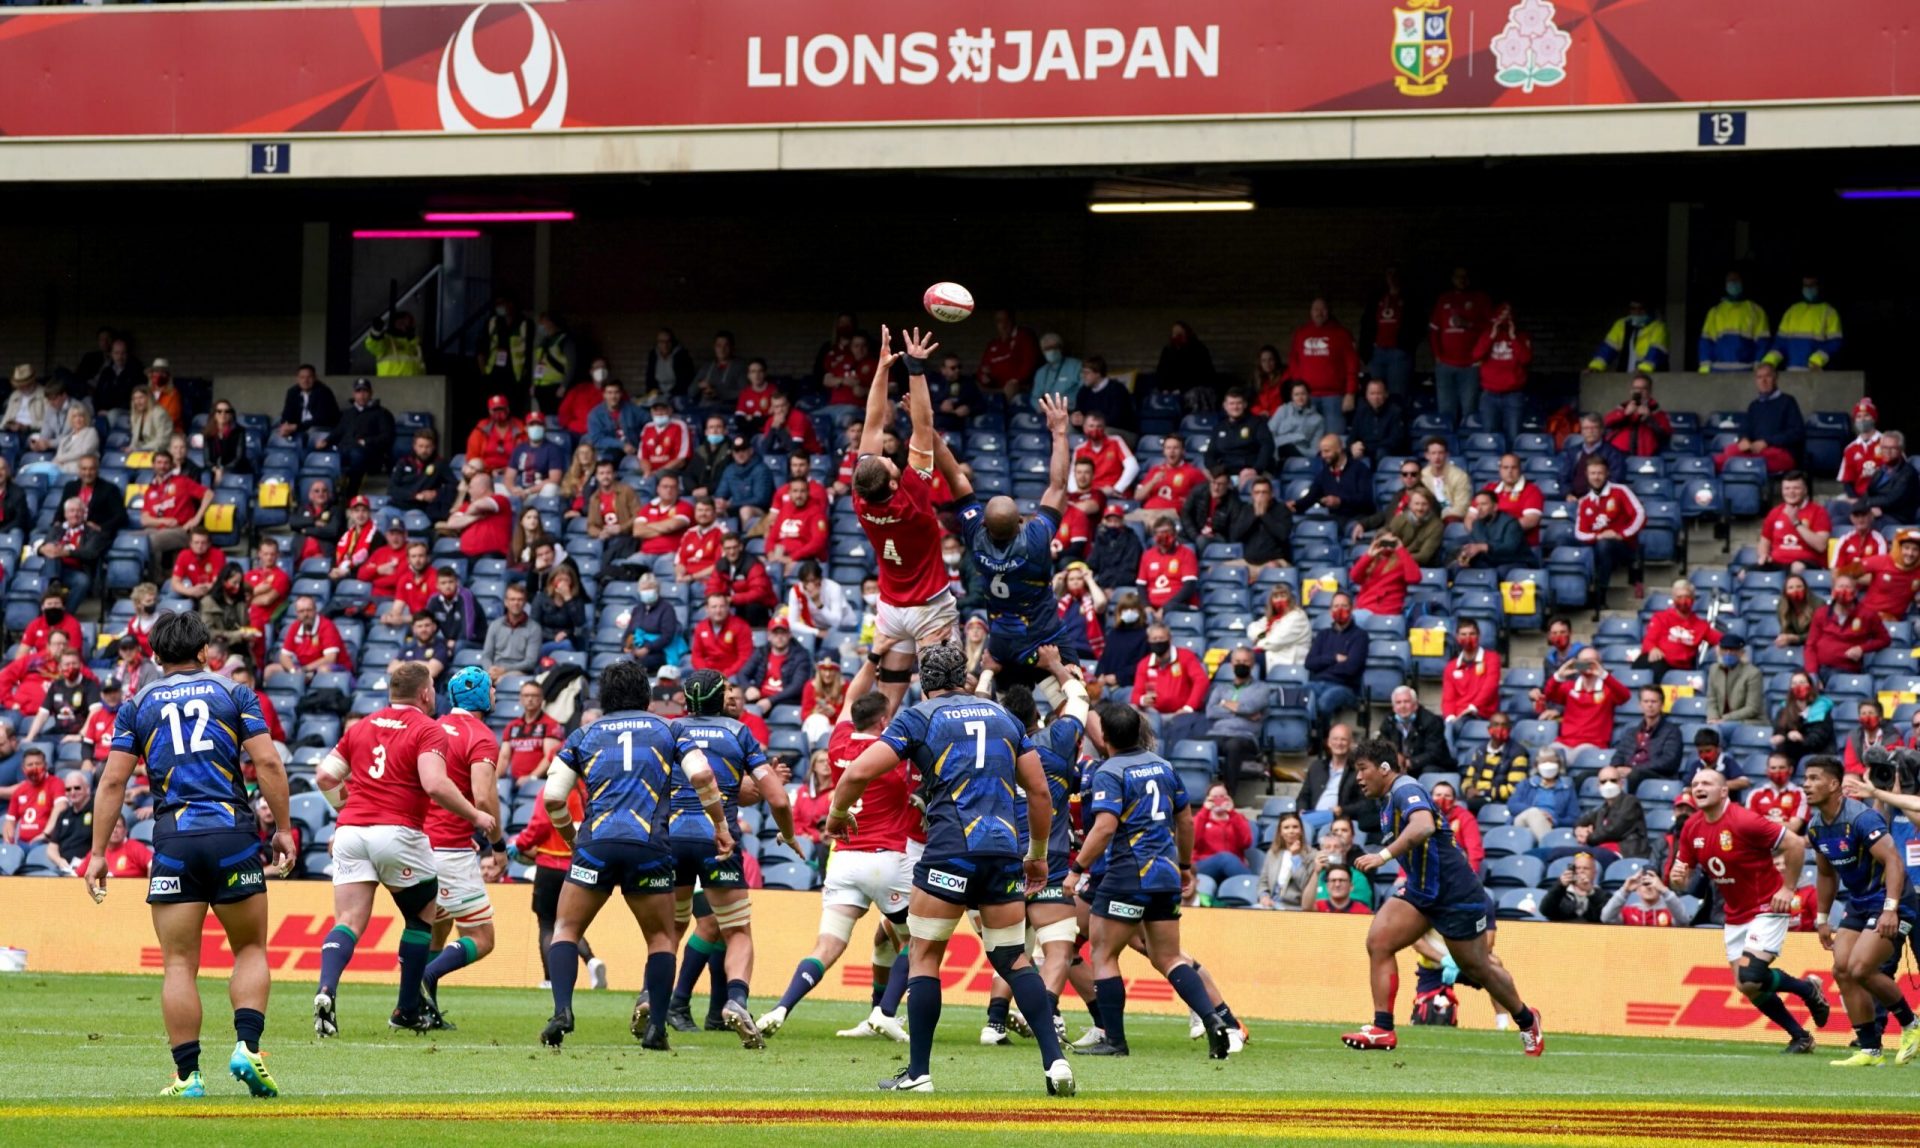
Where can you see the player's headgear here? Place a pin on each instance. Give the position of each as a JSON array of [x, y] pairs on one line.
[[943, 667], [471, 689], [706, 692]]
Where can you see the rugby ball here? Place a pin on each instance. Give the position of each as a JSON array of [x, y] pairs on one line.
[[948, 302]]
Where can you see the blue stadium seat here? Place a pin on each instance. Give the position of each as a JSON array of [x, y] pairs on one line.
[[1512, 872], [1507, 839], [1241, 892]]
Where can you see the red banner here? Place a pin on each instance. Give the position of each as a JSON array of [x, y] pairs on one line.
[[279, 70]]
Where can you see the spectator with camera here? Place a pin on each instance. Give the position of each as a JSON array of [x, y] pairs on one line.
[[1645, 900], [1576, 895], [1381, 576], [1586, 695]]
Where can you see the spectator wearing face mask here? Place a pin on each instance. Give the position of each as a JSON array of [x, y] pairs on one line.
[[1778, 798], [1171, 681], [1561, 645], [1058, 373], [1618, 824], [1469, 682], [1169, 573], [1803, 725], [1466, 828], [1675, 635], [1871, 734], [1493, 772], [576, 405], [1576, 895], [1285, 633], [1637, 342], [1336, 662], [1238, 713], [1859, 461], [1843, 633], [1126, 642], [653, 628], [1221, 837], [1735, 334], [1115, 469], [1735, 691], [1546, 799], [1651, 746], [1645, 900]]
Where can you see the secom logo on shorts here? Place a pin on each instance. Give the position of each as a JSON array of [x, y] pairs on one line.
[[582, 873], [946, 881], [1126, 912], [163, 886]]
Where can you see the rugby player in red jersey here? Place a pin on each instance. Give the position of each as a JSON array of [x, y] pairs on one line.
[[917, 607], [385, 773], [1736, 847], [869, 868], [473, 762]]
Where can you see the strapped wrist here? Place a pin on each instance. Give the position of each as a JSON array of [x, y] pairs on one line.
[[915, 365]]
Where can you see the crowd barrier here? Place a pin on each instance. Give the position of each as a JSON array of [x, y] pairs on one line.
[[1610, 980]]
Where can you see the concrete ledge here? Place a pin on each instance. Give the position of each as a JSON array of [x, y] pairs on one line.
[[1691, 391], [267, 392]]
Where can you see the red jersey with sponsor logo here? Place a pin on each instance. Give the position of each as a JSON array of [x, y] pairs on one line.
[[32, 807], [1165, 572], [526, 740], [754, 404], [799, 531], [700, 548], [1516, 500], [1787, 803], [1858, 463], [1679, 636], [175, 500], [199, 569], [1857, 547], [412, 588], [906, 541], [383, 755], [881, 816], [654, 512], [1166, 487], [469, 741], [1638, 912], [1782, 532], [660, 446], [1737, 854]]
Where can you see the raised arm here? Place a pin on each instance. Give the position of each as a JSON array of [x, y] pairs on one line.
[[877, 405], [1060, 465], [919, 349], [949, 467]]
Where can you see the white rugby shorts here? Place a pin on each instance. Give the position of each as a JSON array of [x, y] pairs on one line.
[[396, 856], [463, 890], [912, 627], [1765, 934], [883, 880]]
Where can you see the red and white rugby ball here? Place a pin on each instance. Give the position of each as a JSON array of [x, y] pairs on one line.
[[948, 302]]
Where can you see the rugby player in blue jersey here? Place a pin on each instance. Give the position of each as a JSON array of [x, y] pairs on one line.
[[1143, 827], [1438, 891], [627, 759], [190, 728], [971, 755], [1857, 856]]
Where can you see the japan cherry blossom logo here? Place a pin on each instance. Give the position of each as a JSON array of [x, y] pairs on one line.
[[1531, 51], [474, 97]]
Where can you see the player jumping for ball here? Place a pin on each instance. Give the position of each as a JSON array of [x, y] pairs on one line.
[[1439, 892], [1736, 847], [895, 507]]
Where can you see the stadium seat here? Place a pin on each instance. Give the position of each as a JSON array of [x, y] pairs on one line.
[[1519, 872], [1241, 892], [1520, 905], [1618, 872], [787, 875], [1507, 839]]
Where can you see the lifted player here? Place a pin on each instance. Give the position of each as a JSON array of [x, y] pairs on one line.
[[970, 754], [472, 765], [868, 868], [628, 759], [1736, 847], [895, 507], [190, 727], [1856, 853], [1438, 891], [383, 777]]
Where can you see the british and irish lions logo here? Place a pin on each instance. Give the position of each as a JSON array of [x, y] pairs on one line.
[[532, 96], [1529, 52]]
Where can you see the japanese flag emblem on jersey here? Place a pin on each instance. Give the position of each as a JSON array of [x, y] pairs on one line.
[[971, 513]]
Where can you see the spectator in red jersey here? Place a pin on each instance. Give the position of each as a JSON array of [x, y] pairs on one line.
[[1860, 461], [1586, 696], [1794, 535], [848, 369], [1170, 680], [125, 857], [1805, 908], [788, 431], [1167, 484], [1803, 725], [413, 587], [1339, 898], [1388, 336], [23, 684], [797, 532], [756, 398], [815, 799], [1169, 573], [1517, 498], [1114, 467], [1638, 426], [1608, 519], [1844, 632], [1645, 900], [482, 520], [1779, 799], [700, 545], [1270, 385], [1075, 533], [800, 468], [1453, 330], [1502, 353], [665, 442], [1011, 357], [384, 566], [576, 406], [311, 644], [743, 579], [30, 810], [1676, 634], [1324, 358], [1469, 682], [492, 439], [1466, 827], [661, 521], [1893, 579], [722, 640], [1874, 732], [355, 545], [1860, 543], [54, 617], [775, 674], [1381, 576], [1221, 837], [98, 730], [173, 505]]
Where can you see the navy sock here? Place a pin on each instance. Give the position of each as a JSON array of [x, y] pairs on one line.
[[692, 964], [923, 1016], [1093, 1010], [659, 982], [186, 1059], [1903, 1012], [1186, 981], [997, 1010], [717, 990], [1031, 994], [1383, 1020], [1112, 992], [1782, 983], [248, 1024], [414, 942], [1053, 1005], [1771, 1007], [1869, 1036], [1524, 1018], [563, 969], [335, 951], [897, 982], [806, 975], [454, 956], [1226, 1015], [737, 992]]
